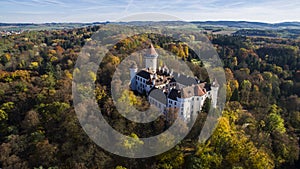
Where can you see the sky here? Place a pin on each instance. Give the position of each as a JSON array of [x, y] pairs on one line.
[[42, 11]]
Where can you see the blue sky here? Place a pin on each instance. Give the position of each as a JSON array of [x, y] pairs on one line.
[[39, 11]]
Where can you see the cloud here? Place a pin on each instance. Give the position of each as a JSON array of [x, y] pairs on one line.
[[102, 10], [129, 4], [35, 3], [36, 12], [49, 2]]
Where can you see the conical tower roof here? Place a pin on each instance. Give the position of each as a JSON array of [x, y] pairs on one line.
[[152, 51]]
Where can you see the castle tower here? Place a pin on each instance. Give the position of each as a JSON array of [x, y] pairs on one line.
[[133, 69], [151, 59], [214, 92]]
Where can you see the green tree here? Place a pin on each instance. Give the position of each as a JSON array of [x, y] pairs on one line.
[[274, 121], [120, 167], [245, 91], [3, 115], [172, 159]]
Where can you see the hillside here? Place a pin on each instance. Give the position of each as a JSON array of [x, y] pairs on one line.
[[259, 127], [279, 30]]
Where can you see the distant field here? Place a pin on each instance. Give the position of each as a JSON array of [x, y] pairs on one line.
[[257, 29]]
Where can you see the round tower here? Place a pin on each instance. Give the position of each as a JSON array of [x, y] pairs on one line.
[[214, 93], [133, 69], [151, 59]]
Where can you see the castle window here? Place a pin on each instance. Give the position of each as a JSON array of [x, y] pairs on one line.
[[175, 103], [197, 98]]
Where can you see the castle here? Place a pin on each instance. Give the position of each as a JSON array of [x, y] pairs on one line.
[[167, 89]]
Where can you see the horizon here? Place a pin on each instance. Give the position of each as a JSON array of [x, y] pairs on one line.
[[89, 11], [148, 21]]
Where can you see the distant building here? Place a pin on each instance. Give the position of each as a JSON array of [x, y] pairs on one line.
[[167, 89], [8, 33]]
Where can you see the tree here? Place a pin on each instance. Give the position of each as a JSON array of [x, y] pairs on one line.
[[120, 167], [245, 91], [235, 95], [274, 121], [3, 115], [44, 155], [49, 80], [133, 143], [206, 105], [171, 159], [31, 120], [5, 58], [205, 157]]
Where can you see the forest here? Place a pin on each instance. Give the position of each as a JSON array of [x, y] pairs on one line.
[[259, 127]]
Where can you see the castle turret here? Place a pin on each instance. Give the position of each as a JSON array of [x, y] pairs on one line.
[[151, 59], [214, 92], [133, 69]]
